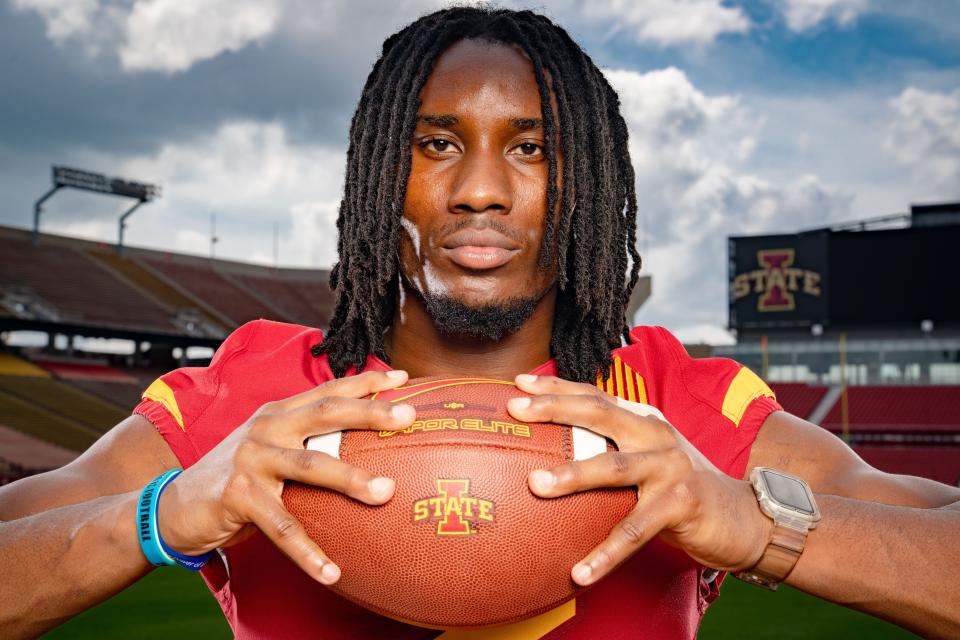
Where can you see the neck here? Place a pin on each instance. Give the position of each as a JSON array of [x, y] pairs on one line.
[[415, 345]]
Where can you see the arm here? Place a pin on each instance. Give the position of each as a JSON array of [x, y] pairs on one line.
[[897, 560], [887, 544], [68, 538]]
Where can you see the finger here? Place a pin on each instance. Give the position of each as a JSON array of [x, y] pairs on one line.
[[357, 386], [552, 384], [610, 469], [321, 470], [593, 412], [650, 516], [286, 532], [332, 413]]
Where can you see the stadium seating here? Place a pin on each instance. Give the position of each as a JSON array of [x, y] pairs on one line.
[[75, 288], [305, 302], [797, 398], [28, 418], [940, 463], [201, 281], [61, 399], [21, 454], [900, 409], [158, 288]]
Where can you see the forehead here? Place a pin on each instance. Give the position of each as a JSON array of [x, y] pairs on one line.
[[474, 75]]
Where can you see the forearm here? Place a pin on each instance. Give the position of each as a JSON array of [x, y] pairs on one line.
[[896, 563], [60, 562]]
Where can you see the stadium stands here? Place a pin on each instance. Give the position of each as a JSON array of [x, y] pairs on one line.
[[51, 427], [797, 398], [69, 287], [203, 282], [940, 463], [899, 408], [304, 302], [60, 398], [21, 455], [161, 290]]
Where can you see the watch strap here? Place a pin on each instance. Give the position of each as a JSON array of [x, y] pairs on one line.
[[778, 559]]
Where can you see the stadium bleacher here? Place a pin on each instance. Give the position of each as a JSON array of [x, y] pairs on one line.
[[203, 282], [22, 455], [160, 289], [797, 398], [74, 289], [934, 408], [303, 301], [940, 463]]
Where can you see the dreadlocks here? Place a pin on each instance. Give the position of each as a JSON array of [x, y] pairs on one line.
[[594, 232]]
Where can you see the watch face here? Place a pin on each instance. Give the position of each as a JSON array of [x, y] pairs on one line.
[[788, 492]]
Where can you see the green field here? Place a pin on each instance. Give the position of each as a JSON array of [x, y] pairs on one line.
[[174, 603]]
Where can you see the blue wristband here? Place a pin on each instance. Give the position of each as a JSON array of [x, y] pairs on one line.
[[153, 546]]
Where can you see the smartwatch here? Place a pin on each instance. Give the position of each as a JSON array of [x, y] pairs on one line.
[[789, 502]]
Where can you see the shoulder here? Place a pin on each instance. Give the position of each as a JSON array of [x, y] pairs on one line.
[[257, 341], [261, 361], [721, 384]]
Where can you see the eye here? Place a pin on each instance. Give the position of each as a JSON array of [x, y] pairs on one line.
[[528, 150], [438, 146]]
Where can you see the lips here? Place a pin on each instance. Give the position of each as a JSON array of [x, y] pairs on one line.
[[479, 249]]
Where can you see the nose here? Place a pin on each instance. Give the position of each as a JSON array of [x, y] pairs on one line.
[[482, 184]]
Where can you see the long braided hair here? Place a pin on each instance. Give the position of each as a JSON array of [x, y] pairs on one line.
[[596, 259]]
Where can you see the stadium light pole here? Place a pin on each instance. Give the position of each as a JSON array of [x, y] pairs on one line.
[[97, 183], [38, 209]]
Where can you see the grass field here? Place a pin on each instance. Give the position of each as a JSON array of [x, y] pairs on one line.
[[175, 603]]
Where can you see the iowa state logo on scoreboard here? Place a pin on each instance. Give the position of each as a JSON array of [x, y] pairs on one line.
[[776, 281]]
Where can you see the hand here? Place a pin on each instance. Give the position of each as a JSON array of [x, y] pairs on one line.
[[236, 487], [681, 496]]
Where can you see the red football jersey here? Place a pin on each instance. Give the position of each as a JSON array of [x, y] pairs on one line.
[[658, 593]]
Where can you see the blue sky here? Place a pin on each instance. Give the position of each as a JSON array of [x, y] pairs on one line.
[[745, 117]]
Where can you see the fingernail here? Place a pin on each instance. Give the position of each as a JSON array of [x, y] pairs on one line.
[[543, 479], [403, 412], [396, 375], [581, 573], [330, 573], [381, 487], [519, 403], [526, 378]]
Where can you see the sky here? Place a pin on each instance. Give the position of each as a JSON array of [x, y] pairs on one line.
[[745, 117]]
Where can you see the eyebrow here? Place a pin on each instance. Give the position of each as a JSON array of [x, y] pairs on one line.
[[448, 120], [445, 120]]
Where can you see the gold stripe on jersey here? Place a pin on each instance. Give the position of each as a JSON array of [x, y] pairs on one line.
[[624, 383], [527, 630], [161, 392], [745, 387]]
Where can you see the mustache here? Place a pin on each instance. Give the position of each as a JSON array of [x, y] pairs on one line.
[[480, 223]]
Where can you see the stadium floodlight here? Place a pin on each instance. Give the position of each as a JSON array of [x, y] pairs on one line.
[[66, 177]]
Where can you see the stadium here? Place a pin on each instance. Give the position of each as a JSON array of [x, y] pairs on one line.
[[87, 327], [469, 199]]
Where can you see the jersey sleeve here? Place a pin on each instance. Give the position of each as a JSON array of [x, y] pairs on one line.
[[717, 403], [178, 398]]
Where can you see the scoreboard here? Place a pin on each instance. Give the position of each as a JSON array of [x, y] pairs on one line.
[[882, 279]]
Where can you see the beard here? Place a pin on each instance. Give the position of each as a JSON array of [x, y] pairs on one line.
[[490, 322]]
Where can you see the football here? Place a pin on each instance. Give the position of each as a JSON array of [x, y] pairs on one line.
[[464, 543]]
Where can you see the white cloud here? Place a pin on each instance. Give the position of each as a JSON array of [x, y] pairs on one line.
[[64, 18], [171, 36], [250, 174], [158, 35], [803, 15], [670, 22], [690, 151], [924, 134]]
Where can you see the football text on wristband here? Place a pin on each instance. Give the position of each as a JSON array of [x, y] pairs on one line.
[[154, 548]]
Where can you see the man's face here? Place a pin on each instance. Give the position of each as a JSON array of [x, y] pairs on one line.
[[475, 208]]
